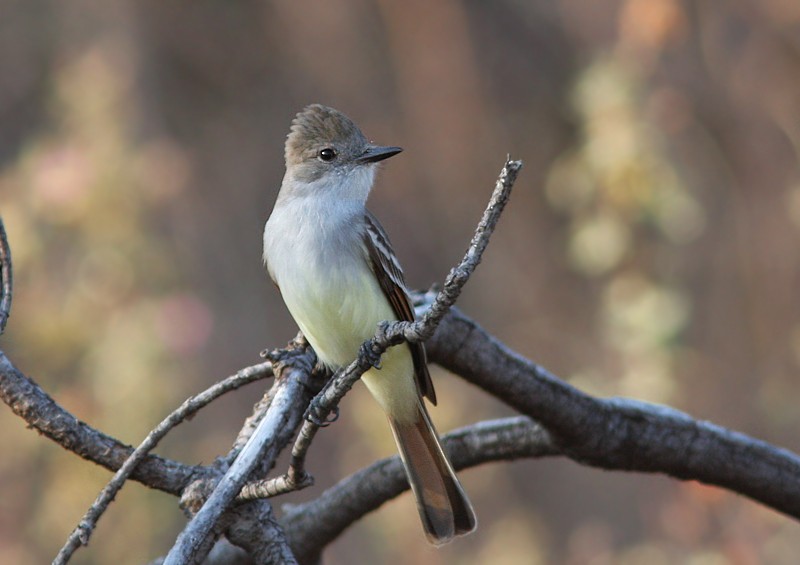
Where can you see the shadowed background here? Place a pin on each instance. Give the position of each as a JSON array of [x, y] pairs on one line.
[[649, 249]]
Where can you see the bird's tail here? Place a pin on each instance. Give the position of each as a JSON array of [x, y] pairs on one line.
[[443, 506]]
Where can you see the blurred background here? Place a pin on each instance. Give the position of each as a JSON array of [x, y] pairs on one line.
[[649, 250]]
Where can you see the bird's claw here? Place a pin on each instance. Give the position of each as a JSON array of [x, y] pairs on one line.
[[370, 355], [316, 415]]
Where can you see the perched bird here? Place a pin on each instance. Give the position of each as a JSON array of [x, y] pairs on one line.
[[339, 278]]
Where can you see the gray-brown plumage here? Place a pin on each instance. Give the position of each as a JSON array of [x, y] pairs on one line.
[[339, 277]]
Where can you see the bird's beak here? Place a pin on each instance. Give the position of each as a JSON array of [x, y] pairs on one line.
[[375, 153]]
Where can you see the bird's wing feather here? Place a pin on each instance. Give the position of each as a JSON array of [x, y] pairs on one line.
[[390, 277]]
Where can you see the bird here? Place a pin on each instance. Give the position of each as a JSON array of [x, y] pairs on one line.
[[338, 275]]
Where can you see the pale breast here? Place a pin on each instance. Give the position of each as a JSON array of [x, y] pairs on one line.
[[322, 271], [329, 288], [337, 309]]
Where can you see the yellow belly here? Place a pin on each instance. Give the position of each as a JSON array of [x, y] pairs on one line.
[[340, 313]]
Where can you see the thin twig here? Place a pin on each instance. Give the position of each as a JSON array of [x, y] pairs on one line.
[[296, 478], [81, 534], [292, 480], [6, 278], [276, 486], [423, 329], [393, 333]]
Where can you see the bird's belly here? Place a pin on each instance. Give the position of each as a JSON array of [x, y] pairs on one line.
[[337, 311]]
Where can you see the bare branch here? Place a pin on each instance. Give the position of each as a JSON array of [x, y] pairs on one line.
[[27, 400], [80, 535], [6, 278], [312, 525], [297, 347], [269, 488], [615, 433], [457, 278], [272, 433], [254, 528], [618, 434]]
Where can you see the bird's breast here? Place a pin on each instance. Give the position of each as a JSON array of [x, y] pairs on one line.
[[321, 268]]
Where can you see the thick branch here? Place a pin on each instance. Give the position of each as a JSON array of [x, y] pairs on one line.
[[42, 413], [620, 434], [80, 535], [254, 528], [614, 434], [272, 433]]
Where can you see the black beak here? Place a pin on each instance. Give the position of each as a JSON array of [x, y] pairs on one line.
[[375, 153]]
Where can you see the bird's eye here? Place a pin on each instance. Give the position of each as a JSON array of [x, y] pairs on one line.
[[327, 154]]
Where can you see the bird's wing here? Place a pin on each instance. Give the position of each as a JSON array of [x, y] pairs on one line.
[[390, 277]]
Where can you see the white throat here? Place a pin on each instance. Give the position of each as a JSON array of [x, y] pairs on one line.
[[346, 184]]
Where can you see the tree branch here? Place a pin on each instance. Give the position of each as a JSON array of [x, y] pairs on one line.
[[81, 534], [616, 433], [613, 434], [6, 279], [28, 401], [272, 433], [313, 525]]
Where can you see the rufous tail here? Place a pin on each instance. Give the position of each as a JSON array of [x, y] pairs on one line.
[[443, 506]]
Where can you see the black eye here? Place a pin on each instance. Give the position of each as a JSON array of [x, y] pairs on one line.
[[327, 154]]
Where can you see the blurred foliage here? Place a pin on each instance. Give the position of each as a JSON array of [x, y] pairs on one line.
[[650, 249]]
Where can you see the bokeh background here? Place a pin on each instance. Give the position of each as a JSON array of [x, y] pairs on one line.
[[649, 250]]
